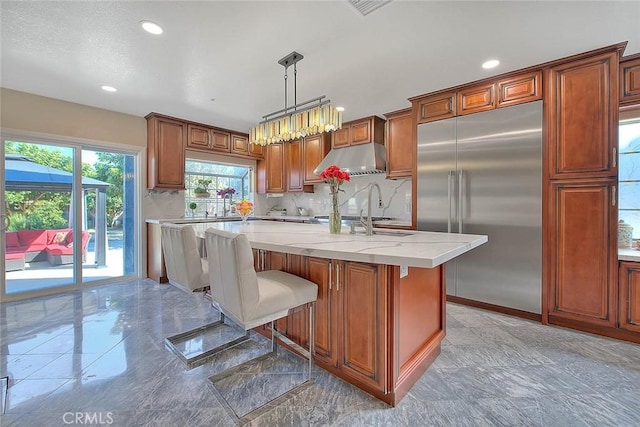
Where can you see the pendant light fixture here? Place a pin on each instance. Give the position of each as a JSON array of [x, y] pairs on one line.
[[303, 119]]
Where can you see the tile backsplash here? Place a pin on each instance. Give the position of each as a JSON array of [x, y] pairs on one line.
[[396, 197]]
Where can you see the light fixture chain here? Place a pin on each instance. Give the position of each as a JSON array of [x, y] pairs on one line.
[[285, 89]]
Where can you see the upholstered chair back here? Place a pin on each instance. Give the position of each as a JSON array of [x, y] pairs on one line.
[[185, 268], [231, 269]]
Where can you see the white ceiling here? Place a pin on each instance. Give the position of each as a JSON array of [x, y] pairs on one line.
[[229, 50]]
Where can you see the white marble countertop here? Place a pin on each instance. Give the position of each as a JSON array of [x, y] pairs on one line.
[[414, 249], [191, 220], [629, 255], [293, 218]]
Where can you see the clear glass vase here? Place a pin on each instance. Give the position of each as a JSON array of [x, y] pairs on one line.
[[335, 220]]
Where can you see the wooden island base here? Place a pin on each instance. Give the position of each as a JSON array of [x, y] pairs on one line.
[[374, 329]]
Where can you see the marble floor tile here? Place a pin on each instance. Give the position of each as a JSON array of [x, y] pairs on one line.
[[101, 353]]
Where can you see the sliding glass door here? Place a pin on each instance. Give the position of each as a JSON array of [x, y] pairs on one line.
[[69, 217]]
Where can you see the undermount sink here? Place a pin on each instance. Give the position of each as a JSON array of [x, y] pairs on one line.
[[377, 231]]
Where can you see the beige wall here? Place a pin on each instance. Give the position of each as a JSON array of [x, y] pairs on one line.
[[33, 113]]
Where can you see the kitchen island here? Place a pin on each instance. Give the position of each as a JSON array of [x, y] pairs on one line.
[[380, 312]]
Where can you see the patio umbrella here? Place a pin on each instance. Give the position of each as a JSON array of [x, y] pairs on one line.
[[23, 174]]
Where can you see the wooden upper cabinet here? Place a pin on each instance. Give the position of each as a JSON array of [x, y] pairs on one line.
[[582, 117], [166, 140], [519, 89], [204, 138], [283, 168], [316, 148], [256, 150], [630, 296], [400, 144], [583, 251], [294, 161], [341, 137], [240, 144], [199, 137], [435, 107], [220, 141], [275, 172], [630, 80], [361, 131], [476, 98]]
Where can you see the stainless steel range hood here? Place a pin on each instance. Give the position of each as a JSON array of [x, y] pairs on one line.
[[362, 159]]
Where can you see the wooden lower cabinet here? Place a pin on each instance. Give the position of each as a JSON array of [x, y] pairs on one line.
[[374, 329], [630, 296], [362, 322], [583, 252], [320, 272]]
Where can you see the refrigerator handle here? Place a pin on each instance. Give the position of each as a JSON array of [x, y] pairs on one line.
[[449, 179], [460, 199]]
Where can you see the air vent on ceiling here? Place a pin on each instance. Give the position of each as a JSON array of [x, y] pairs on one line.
[[365, 7]]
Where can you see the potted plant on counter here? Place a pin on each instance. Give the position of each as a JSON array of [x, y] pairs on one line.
[[202, 190], [193, 207]]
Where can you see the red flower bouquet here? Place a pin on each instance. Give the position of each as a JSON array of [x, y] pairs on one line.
[[334, 176]]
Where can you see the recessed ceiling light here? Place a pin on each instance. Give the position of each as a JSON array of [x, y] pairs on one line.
[[151, 27], [492, 63], [341, 109], [108, 88]]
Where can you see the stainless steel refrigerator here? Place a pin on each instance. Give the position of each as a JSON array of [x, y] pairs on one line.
[[482, 174]]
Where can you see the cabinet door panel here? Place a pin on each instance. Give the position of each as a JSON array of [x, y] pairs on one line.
[[436, 107], [293, 155], [169, 155], [325, 325], [630, 81], [517, 90], [220, 141], [583, 117], [256, 150], [362, 323], [340, 138], [361, 132], [476, 99], [315, 148], [275, 168], [630, 296], [239, 144], [198, 137], [583, 258], [400, 144]]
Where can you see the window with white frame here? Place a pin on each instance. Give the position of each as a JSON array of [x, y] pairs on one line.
[[225, 185], [629, 173]]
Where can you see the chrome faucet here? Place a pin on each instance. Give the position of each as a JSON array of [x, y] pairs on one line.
[[368, 224]]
